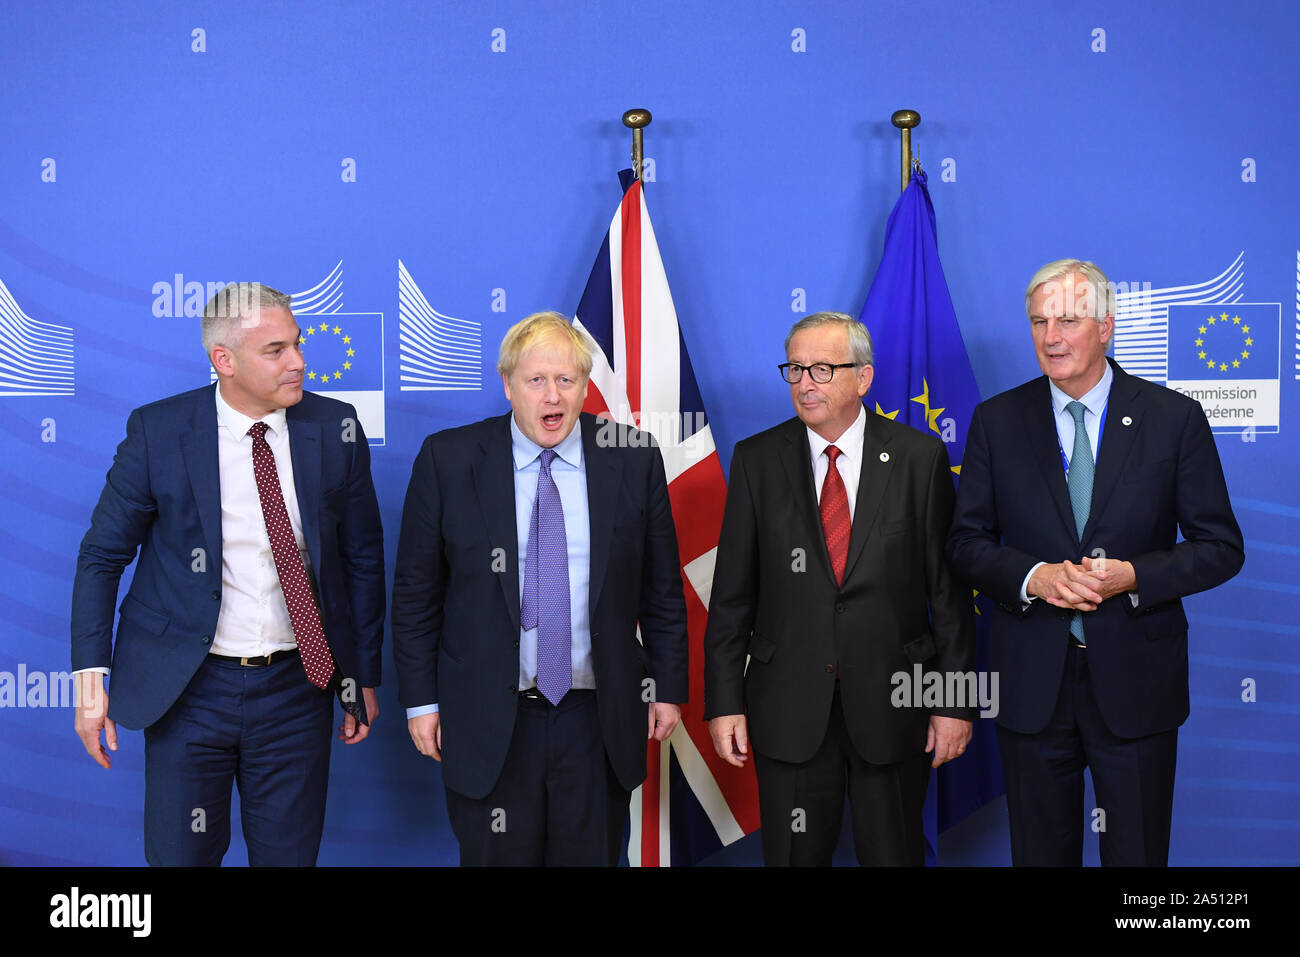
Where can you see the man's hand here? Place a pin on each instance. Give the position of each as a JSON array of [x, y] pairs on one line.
[[1066, 585], [663, 719], [730, 736], [353, 731], [1111, 575], [426, 732], [91, 714], [947, 738]]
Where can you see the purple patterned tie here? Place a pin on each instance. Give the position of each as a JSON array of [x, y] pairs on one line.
[[546, 587]]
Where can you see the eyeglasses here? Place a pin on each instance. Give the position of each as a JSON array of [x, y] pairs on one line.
[[821, 372]]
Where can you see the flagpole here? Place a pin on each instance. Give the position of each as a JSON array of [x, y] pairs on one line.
[[905, 120], [637, 120]]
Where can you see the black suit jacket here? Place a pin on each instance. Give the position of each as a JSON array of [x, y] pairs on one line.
[[163, 498], [774, 596], [455, 606], [1157, 473]]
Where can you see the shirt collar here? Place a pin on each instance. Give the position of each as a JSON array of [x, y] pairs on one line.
[[526, 451], [849, 442], [1094, 400], [238, 424]]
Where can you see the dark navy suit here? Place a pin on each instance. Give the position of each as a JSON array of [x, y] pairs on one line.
[[1157, 473], [455, 615], [163, 498]]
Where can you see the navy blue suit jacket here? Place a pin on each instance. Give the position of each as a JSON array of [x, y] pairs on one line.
[[1158, 472], [456, 595], [163, 497]]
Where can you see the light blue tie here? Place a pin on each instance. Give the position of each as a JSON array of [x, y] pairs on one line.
[[1080, 485], [546, 587]]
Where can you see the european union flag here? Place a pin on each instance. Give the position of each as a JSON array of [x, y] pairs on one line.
[[344, 356], [344, 352], [923, 378], [1224, 341]]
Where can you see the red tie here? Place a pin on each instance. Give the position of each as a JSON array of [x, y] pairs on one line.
[[303, 613], [835, 516]]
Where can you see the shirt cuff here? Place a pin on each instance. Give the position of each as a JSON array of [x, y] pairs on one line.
[[1025, 597], [98, 671], [422, 709], [1133, 597]]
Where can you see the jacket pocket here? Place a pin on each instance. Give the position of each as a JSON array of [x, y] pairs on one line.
[[141, 614]]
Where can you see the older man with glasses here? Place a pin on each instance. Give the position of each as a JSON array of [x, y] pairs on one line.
[[830, 580]]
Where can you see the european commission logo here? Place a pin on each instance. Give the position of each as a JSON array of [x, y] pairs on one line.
[[1202, 340], [1227, 358], [343, 351], [36, 358], [438, 353]]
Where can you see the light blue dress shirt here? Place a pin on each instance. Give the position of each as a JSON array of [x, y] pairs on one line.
[[1094, 405], [569, 471]]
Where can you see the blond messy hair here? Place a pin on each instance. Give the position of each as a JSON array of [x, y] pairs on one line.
[[536, 329]]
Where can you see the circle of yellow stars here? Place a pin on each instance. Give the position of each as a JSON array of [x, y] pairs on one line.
[[1201, 331], [324, 330]]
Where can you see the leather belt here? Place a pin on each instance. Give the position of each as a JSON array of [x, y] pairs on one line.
[[259, 660]]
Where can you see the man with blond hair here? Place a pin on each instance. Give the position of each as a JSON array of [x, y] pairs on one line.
[[1074, 489], [532, 546]]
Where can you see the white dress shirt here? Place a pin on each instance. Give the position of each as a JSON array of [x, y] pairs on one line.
[[849, 462], [254, 618]]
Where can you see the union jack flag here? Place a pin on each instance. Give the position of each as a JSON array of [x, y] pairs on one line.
[[692, 802]]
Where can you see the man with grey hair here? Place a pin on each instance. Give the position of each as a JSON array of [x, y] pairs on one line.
[[257, 599], [830, 580], [1073, 492]]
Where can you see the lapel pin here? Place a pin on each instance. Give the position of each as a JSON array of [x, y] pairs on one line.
[[884, 456], [1127, 420]]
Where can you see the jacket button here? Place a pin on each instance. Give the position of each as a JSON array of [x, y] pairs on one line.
[[206, 639], [839, 606], [830, 669], [512, 689], [216, 595], [516, 643]]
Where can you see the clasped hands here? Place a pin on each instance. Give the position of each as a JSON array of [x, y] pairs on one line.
[[1084, 586]]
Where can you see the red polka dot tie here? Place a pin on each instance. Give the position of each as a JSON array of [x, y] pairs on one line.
[[836, 523], [316, 657]]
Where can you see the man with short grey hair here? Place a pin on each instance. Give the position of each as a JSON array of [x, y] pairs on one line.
[[258, 596], [830, 580], [1074, 489]]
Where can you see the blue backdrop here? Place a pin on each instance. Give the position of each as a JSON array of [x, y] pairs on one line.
[[148, 147]]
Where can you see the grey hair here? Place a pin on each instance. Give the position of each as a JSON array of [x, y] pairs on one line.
[[232, 303], [1100, 292], [859, 337]]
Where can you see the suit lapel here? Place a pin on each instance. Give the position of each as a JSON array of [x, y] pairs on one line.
[[305, 454], [796, 460], [494, 481], [199, 448], [872, 480], [1122, 405], [1040, 432], [604, 478]]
